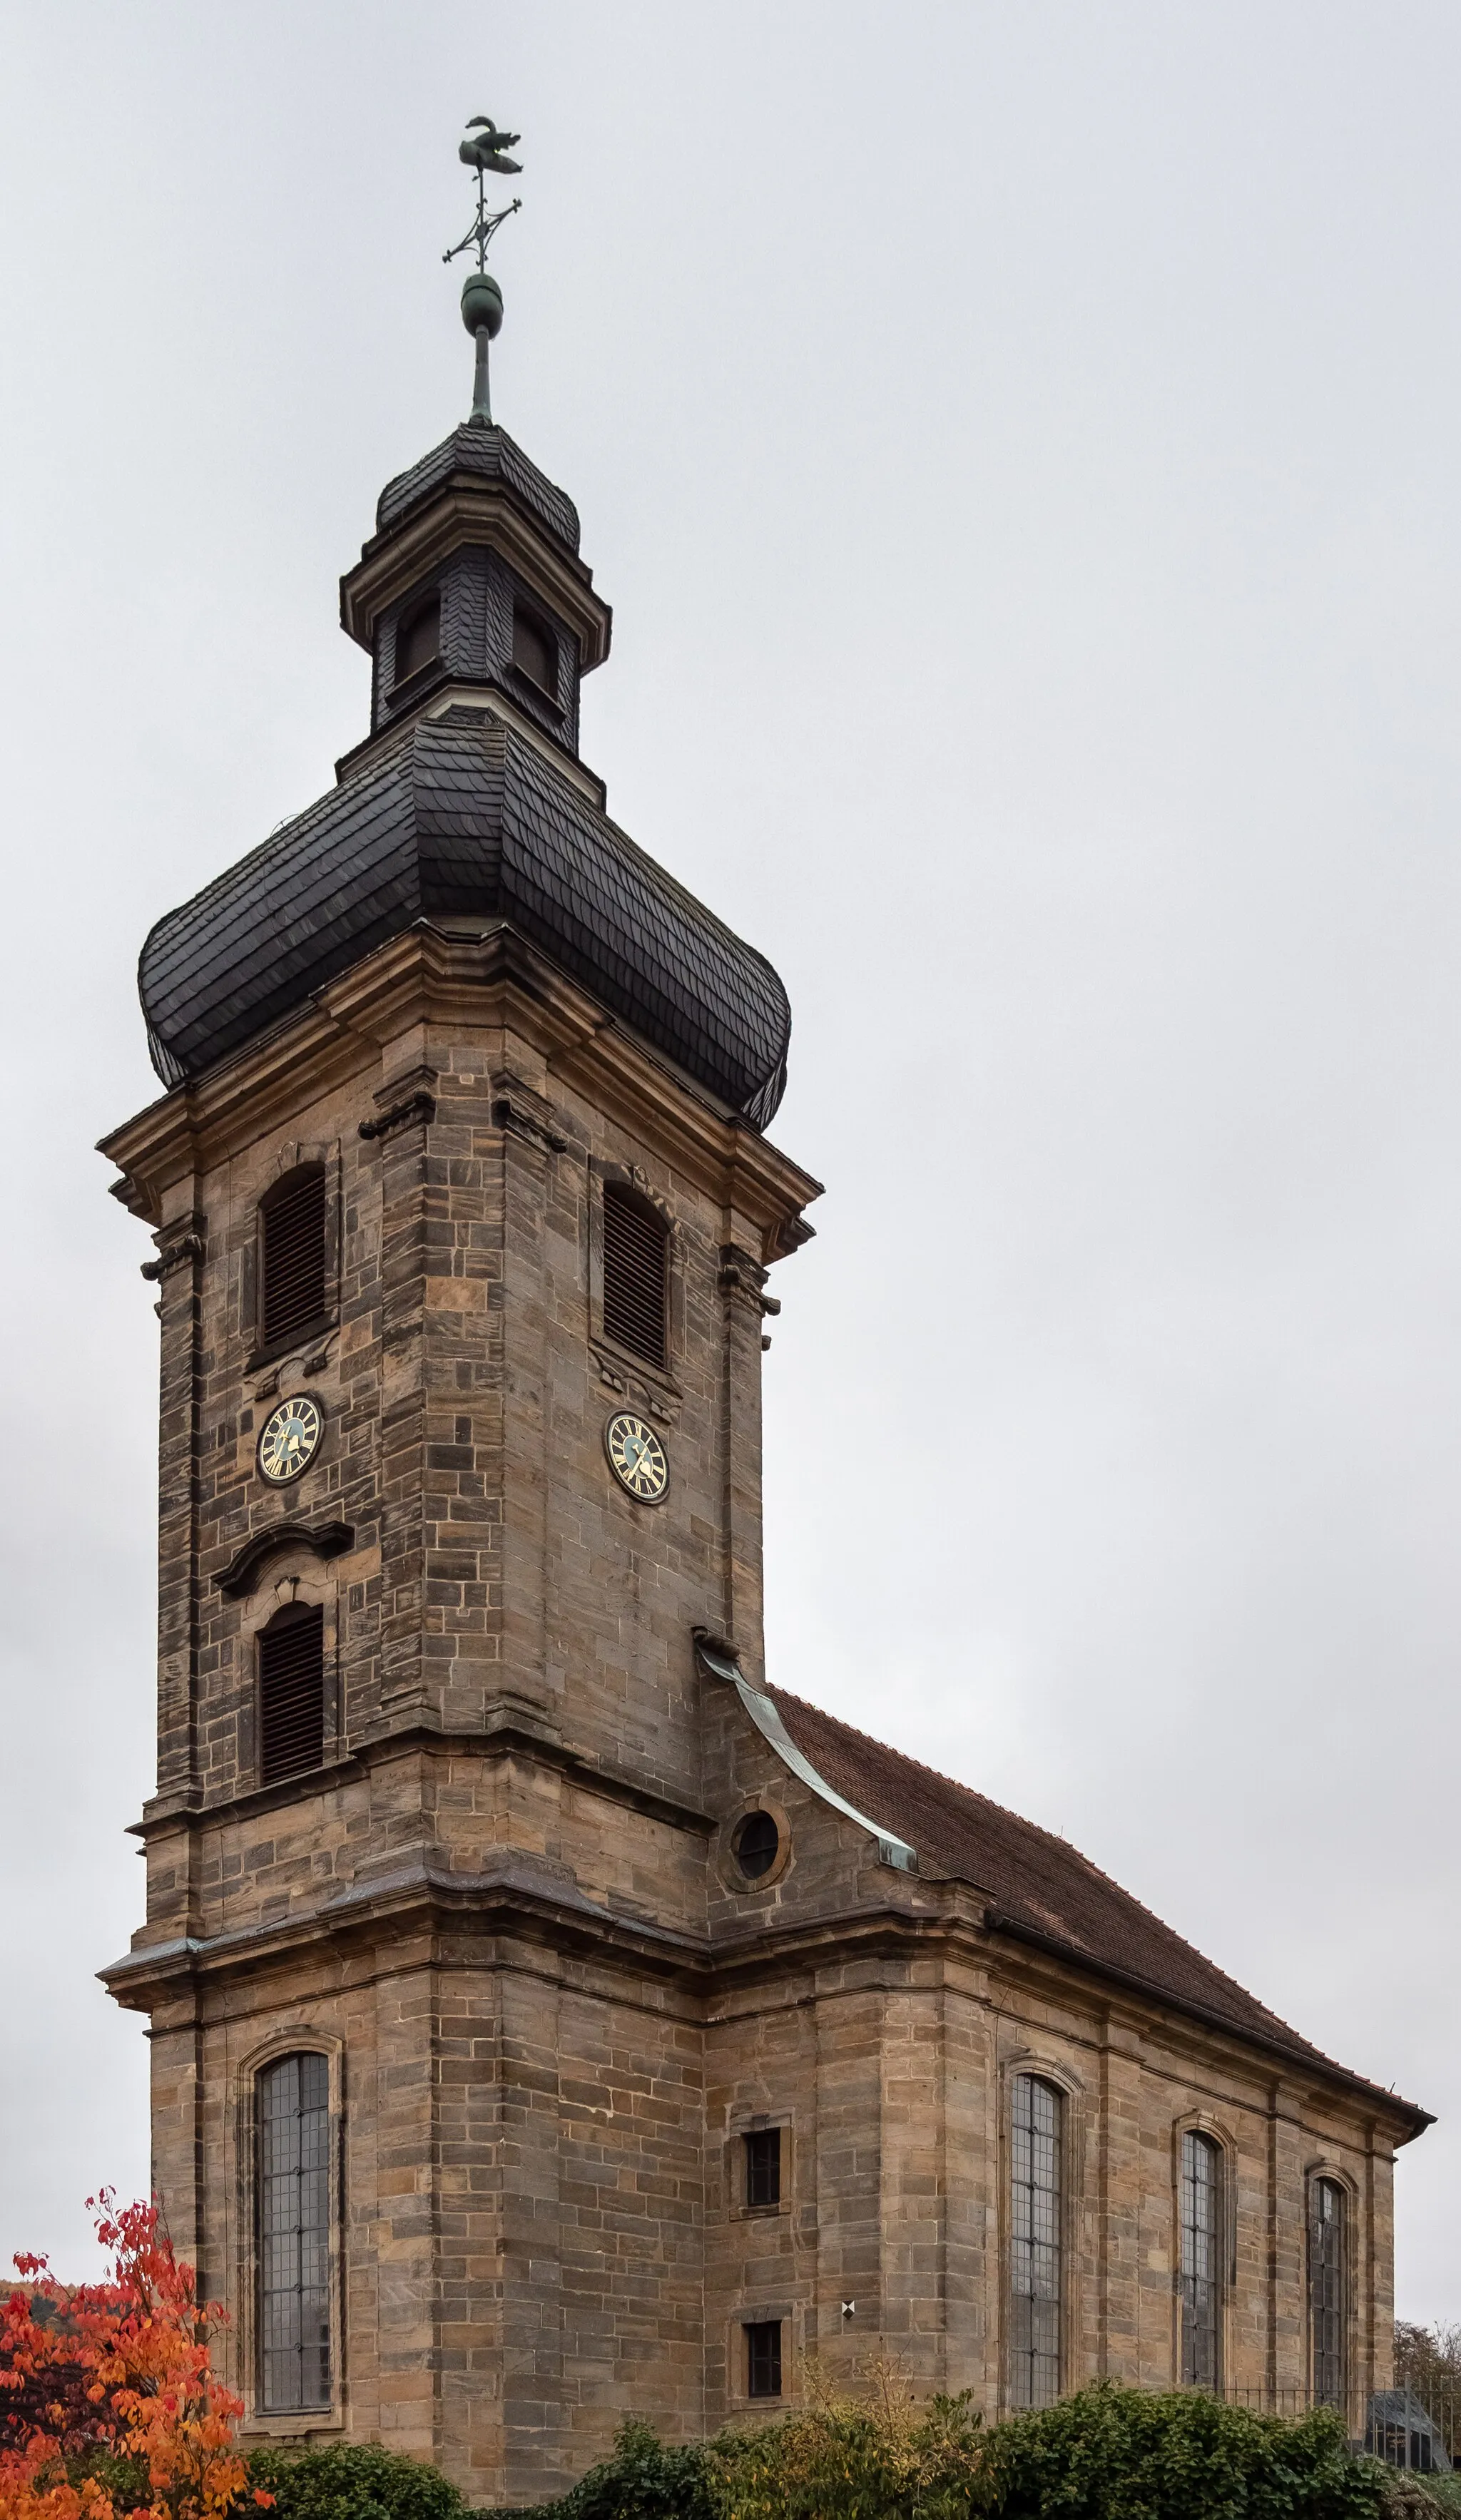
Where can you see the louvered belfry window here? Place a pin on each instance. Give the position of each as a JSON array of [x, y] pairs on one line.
[[292, 1255], [636, 1250], [534, 653], [294, 2234], [291, 1693], [418, 639]]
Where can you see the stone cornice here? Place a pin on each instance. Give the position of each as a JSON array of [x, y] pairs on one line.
[[502, 1742], [486, 979], [459, 696], [522, 1897], [463, 514], [326, 1539]]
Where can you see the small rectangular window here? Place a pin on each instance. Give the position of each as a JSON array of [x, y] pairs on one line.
[[764, 2166], [418, 639], [535, 653], [763, 2358]]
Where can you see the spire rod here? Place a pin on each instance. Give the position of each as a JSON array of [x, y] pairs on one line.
[[485, 149]]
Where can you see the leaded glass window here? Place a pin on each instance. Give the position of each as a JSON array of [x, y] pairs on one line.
[[294, 2234], [1327, 2288], [763, 2358], [1200, 2214], [1035, 2269], [764, 2166]]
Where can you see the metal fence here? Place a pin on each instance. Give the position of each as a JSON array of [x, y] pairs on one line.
[[1415, 2426]]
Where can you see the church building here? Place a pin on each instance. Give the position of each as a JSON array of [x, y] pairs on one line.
[[553, 2016]]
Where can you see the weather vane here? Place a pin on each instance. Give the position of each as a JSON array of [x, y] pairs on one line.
[[486, 148]]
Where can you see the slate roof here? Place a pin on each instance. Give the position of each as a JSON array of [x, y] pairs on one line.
[[1042, 1889], [484, 454], [461, 816]]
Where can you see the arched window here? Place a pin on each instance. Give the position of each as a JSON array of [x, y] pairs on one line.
[[292, 1269], [1036, 2272], [293, 2180], [291, 1693], [1328, 2291], [1201, 2217], [636, 1274], [418, 639]]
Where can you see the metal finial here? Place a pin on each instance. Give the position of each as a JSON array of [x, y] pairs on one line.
[[486, 148]]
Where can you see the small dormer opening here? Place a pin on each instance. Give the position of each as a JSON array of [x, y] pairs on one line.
[[535, 653], [418, 639]]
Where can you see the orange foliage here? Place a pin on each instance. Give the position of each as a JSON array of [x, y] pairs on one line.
[[121, 2366]]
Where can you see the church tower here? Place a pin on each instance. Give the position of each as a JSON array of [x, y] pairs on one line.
[[552, 2019]]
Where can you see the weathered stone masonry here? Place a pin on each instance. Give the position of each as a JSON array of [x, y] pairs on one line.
[[507, 1907]]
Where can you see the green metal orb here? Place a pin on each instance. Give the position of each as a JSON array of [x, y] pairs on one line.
[[482, 303]]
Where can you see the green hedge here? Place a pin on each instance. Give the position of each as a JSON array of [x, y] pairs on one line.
[[1122, 2455], [1106, 2454], [354, 2481]]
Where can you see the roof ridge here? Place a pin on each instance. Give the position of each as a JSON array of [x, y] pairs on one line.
[[1068, 1847]]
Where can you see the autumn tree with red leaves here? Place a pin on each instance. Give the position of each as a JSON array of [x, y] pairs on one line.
[[119, 2369]]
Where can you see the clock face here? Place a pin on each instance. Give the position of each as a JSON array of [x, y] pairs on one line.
[[636, 1457], [289, 1439]]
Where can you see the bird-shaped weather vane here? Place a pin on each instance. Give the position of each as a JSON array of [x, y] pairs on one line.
[[485, 147]]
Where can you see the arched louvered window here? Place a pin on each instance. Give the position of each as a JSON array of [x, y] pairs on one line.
[[291, 1693], [1328, 2291], [1200, 2214], [1036, 2272], [418, 639], [293, 2199], [294, 1294], [636, 1274]]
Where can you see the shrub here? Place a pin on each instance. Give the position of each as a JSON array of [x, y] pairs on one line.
[[1107, 2453], [354, 2481], [1111, 2454], [643, 2481], [844, 2459]]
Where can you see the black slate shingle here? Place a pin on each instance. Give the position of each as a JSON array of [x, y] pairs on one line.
[[463, 818]]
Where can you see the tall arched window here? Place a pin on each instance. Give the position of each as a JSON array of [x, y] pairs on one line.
[[1328, 2291], [636, 1274], [291, 1693], [294, 2234], [1036, 2254], [1200, 2217], [292, 1255]]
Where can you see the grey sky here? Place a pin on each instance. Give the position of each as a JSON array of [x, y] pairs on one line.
[[1020, 445]]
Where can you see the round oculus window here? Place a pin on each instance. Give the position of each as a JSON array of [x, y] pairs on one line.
[[755, 1844]]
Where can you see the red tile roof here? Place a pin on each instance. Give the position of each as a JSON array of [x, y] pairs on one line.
[[1042, 1890]]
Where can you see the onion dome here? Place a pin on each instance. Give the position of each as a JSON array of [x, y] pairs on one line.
[[468, 799]]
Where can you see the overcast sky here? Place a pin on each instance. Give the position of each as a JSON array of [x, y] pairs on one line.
[[1020, 445]]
